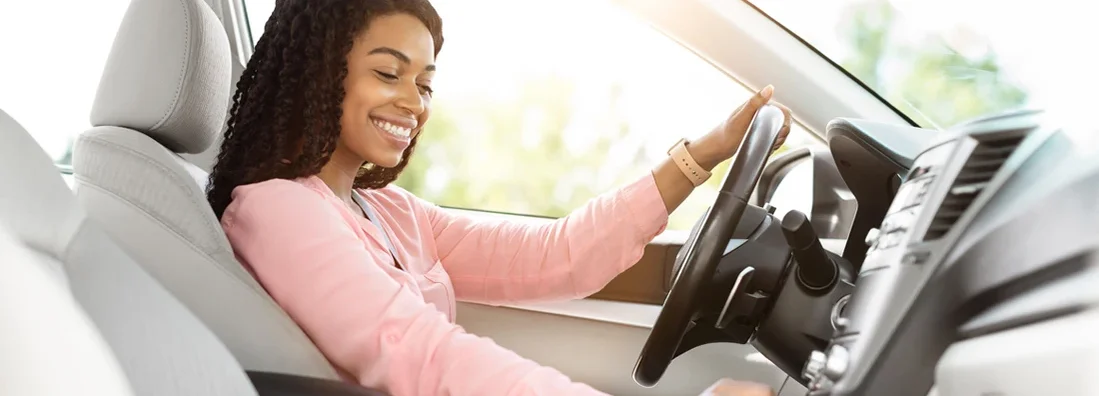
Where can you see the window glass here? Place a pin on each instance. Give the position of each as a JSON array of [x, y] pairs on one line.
[[535, 116], [942, 62], [795, 190], [258, 11], [54, 53]]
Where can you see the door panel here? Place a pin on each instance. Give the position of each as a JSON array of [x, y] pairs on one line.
[[602, 354], [648, 281]]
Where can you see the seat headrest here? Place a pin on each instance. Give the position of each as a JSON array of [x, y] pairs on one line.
[[36, 205], [167, 75]]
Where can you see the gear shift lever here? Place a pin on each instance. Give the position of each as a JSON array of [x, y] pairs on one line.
[[817, 273], [802, 319]]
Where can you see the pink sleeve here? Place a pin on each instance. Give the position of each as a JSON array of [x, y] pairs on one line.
[[362, 319], [500, 262]]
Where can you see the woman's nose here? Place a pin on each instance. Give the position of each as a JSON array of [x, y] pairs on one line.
[[410, 99]]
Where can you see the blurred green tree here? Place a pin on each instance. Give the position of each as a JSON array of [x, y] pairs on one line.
[[927, 80], [515, 156]]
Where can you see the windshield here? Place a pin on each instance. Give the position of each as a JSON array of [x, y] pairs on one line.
[[941, 62]]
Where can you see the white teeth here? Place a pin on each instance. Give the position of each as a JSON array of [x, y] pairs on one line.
[[393, 129]]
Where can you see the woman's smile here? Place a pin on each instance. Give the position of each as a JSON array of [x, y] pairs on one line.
[[398, 131]]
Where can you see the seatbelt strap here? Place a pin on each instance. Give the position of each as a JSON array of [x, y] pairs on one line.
[[373, 217]]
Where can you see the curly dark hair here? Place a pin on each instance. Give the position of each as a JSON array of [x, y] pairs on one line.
[[285, 119]]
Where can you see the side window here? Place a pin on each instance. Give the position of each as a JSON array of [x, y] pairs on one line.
[[535, 116], [257, 12], [52, 64]]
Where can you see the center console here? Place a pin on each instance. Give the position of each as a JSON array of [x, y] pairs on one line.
[[955, 242]]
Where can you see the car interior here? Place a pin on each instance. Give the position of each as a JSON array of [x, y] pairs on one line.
[[946, 261]]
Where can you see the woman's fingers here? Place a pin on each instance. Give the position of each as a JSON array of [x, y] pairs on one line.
[[787, 119]]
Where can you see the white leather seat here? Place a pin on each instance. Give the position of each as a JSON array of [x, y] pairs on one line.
[[162, 348], [164, 92], [52, 326]]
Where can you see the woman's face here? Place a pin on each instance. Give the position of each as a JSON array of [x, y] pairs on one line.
[[388, 89]]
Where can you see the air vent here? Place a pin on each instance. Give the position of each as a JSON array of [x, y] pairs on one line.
[[984, 162]]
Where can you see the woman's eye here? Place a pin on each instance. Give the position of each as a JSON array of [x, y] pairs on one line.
[[386, 76], [426, 90]]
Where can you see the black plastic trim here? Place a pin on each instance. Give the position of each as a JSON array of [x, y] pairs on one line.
[[278, 384]]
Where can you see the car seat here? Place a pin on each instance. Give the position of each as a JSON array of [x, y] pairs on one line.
[[163, 92]]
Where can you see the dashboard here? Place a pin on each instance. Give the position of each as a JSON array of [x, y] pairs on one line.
[[951, 226]]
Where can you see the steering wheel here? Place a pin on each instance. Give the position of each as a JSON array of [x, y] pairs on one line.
[[706, 245]]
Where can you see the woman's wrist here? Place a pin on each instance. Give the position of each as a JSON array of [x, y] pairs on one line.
[[707, 154]]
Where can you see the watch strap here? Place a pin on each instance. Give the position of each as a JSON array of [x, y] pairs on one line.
[[687, 164]]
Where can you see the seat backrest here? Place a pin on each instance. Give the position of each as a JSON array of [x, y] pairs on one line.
[[49, 336], [163, 349], [164, 92]]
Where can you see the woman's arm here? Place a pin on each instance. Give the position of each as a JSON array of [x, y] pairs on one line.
[[364, 321], [500, 262]]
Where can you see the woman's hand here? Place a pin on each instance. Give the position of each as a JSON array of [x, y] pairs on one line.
[[722, 142], [714, 147], [728, 387]]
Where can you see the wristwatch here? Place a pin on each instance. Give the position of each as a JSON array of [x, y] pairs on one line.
[[687, 164]]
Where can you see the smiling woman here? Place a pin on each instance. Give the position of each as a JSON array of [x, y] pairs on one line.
[[572, 112], [326, 114]]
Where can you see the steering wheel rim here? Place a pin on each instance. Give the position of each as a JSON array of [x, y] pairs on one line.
[[706, 245]]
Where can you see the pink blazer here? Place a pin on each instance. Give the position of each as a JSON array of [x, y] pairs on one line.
[[393, 329]]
